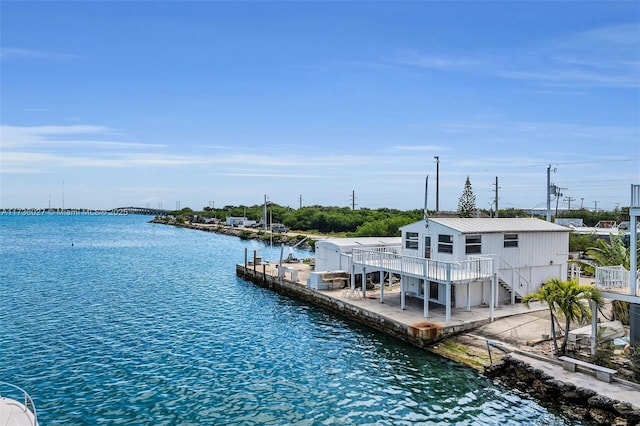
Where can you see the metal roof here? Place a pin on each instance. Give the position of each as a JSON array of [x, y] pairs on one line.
[[497, 225], [362, 241]]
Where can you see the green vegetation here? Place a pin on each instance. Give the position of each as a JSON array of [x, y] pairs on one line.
[[604, 351], [467, 201], [381, 222], [610, 252], [568, 299], [634, 358], [325, 220]]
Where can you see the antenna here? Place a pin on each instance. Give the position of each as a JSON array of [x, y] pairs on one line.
[[426, 193]]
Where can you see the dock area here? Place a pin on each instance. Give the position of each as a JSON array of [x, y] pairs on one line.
[[408, 324], [514, 328]]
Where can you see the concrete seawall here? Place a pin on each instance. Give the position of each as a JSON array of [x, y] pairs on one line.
[[419, 333]]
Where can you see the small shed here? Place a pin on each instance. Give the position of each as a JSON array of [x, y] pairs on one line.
[[334, 254]]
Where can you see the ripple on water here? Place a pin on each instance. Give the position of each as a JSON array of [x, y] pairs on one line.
[[147, 324]]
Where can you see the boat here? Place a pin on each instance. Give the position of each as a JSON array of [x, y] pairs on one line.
[[13, 412]]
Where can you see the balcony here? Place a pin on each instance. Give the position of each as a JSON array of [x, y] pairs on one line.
[[635, 196], [462, 271], [615, 280]]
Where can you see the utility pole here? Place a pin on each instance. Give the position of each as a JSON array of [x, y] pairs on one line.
[[426, 193], [300, 200], [569, 200], [264, 215], [353, 200], [595, 206], [558, 195], [437, 158], [581, 203], [497, 196], [549, 189]]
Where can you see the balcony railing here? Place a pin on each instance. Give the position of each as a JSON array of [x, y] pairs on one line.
[[635, 195], [613, 278], [432, 270]]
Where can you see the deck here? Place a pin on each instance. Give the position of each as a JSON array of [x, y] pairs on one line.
[[455, 272]]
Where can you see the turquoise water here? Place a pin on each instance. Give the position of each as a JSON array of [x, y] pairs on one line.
[[112, 320]]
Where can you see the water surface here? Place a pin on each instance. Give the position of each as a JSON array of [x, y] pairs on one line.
[[112, 320]]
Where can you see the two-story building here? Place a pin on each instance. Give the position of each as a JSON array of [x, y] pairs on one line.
[[525, 251], [464, 262]]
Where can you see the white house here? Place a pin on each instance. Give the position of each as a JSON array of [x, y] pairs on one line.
[[460, 262], [526, 252]]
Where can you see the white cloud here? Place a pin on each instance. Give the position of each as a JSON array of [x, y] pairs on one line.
[[18, 53]]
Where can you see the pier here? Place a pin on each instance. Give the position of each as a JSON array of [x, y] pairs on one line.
[[408, 324], [521, 368]]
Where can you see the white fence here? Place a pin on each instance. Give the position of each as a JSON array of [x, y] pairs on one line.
[[615, 278]]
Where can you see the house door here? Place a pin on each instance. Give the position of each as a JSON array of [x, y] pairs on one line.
[[427, 247]]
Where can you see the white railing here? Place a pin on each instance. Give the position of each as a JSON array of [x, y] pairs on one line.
[[433, 270], [613, 278], [27, 405], [635, 195], [511, 281]]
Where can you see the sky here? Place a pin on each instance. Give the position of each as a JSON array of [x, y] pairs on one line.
[[169, 104]]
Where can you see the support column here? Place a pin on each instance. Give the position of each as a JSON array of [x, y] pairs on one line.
[[353, 277], [448, 295], [364, 282], [513, 287], [426, 297], [469, 297], [382, 285], [492, 286], [594, 326], [633, 247], [402, 290]]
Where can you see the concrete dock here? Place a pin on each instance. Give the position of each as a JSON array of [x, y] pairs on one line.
[[515, 326]]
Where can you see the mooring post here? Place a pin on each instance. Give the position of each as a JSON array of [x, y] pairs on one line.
[[245, 260], [264, 273], [254, 264]]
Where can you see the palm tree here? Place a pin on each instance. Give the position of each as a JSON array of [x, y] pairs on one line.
[[568, 299], [610, 253], [546, 294], [572, 300]]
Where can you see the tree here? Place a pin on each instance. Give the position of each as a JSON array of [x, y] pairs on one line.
[[545, 294], [572, 301], [611, 253], [566, 298], [467, 201]]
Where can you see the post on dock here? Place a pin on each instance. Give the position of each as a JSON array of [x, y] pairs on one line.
[[254, 263]]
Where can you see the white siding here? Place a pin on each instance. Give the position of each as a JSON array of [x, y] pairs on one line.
[[541, 254]]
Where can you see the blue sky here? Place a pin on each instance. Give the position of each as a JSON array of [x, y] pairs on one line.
[[198, 102]]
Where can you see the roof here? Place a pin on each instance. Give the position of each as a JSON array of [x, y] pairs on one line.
[[362, 241], [497, 225]]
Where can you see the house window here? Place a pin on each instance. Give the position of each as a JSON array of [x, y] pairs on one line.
[[411, 240], [427, 247], [473, 244], [511, 240], [445, 243]]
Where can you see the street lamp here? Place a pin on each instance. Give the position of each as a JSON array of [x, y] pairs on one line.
[[437, 183]]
